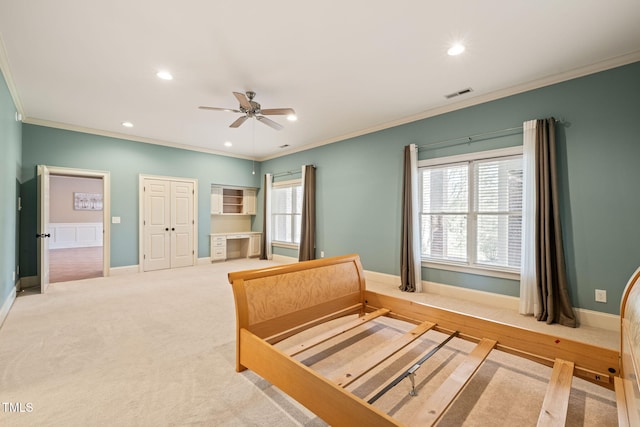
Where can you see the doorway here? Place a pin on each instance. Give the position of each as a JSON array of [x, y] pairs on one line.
[[73, 224]]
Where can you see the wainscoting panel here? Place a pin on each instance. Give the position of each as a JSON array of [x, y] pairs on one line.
[[75, 235]]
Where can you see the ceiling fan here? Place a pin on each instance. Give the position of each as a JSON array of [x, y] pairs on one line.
[[251, 108]]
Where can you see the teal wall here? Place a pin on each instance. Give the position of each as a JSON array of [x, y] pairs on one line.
[[10, 137], [359, 182], [125, 160]]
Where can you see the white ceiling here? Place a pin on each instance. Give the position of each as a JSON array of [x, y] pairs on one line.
[[346, 67]]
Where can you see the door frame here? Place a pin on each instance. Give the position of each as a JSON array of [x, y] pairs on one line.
[[141, 179], [43, 200]]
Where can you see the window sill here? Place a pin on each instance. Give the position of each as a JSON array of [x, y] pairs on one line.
[[285, 245], [482, 271]]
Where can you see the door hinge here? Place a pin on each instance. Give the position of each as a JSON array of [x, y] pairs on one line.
[[144, 256]]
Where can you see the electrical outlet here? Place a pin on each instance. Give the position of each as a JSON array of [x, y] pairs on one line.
[[601, 295], [321, 254]]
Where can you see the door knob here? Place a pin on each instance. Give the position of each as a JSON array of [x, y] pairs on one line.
[[38, 235]]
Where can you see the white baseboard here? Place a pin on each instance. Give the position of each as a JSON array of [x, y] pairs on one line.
[[127, 269], [203, 261], [596, 319], [6, 306], [284, 259]]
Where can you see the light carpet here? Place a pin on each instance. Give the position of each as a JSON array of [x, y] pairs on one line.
[[158, 349]]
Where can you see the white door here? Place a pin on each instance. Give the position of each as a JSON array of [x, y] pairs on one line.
[[168, 224], [181, 224], [43, 227], [157, 220]]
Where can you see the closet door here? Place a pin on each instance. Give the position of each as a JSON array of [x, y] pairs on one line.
[[157, 223], [181, 224]]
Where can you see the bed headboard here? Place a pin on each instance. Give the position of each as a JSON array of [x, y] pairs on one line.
[[630, 344], [277, 302]]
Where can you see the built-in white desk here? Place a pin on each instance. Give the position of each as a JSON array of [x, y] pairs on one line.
[[235, 245]]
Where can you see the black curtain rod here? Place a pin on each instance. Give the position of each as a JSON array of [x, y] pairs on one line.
[[479, 136], [291, 172], [474, 138]]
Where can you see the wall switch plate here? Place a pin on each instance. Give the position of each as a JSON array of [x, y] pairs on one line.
[[115, 220], [601, 295]]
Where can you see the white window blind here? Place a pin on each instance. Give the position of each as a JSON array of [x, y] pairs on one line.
[[445, 206], [287, 212], [498, 211], [471, 213]]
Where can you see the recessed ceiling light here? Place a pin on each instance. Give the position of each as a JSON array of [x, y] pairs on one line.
[[228, 144], [127, 124], [456, 49], [164, 75], [292, 117]]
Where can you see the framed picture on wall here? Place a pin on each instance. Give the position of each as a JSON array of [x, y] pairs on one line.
[[87, 201]]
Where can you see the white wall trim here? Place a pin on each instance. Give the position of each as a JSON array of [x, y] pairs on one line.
[[66, 235], [109, 134], [284, 259], [6, 306], [127, 269], [8, 78], [477, 100], [596, 319], [204, 261]]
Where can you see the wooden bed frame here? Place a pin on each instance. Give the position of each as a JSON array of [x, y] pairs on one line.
[[277, 303]]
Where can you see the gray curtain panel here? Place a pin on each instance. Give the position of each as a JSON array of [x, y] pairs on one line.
[[550, 266], [407, 265], [307, 249]]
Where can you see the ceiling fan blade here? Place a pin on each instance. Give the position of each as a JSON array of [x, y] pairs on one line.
[[242, 99], [238, 122], [278, 111], [269, 122], [231, 110]]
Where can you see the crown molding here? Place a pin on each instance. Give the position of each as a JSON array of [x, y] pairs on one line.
[[481, 99], [108, 134], [5, 69]]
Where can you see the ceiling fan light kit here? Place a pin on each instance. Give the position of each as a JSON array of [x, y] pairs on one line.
[[251, 109]]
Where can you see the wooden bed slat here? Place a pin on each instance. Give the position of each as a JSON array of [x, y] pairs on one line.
[[556, 400], [352, 309], [333, 404], [319, 339], [592, 363], [363, 364], [439, 401], [277, 302]]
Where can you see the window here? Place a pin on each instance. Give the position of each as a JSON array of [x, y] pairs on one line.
[[471, 210], [286, 210]]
